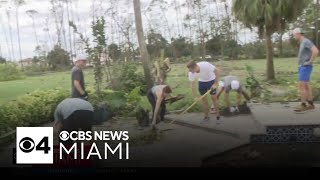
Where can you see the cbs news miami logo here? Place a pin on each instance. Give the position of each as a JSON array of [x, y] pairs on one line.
[[34, 145]]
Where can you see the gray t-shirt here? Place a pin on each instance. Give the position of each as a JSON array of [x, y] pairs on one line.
[[76, 74], [70, 105], [227, 82], [305, 51]]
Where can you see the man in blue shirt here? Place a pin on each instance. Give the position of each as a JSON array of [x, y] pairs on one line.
[[307, 54]]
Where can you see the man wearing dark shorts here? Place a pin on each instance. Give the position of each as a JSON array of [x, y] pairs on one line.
[[307, 54], [208, 77], [73, 114]]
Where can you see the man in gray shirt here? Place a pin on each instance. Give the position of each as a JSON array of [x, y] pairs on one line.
[[307, 54], [77, 78], [73, 114], [229, 83]]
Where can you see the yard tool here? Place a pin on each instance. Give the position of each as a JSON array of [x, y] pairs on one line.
[[194, 103], [174, 98]]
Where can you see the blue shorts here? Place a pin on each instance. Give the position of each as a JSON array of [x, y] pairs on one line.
[[205, 86], [305, 73]]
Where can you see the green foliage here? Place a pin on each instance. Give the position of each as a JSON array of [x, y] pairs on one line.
[[252, 83], [181, 47], [255, 50], [156, 42], [272, 14], [10, 72], [31, 109], [257, 90], [127, 77], [58, 59], [2, 60], [114, 51]]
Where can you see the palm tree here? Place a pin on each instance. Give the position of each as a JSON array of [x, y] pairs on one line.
[[31, 14], [142, 44], [10, 32], [267, 16], [4, 33], [17, 4]]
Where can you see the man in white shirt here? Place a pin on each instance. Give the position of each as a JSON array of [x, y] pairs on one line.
[[208, 78]]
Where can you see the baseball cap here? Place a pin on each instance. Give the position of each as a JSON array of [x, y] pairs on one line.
[[235, 85], [297, 31], [80, 57]]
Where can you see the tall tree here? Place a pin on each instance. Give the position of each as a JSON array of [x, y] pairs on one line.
[[5, 33], [17, 4], [70, 36], [10, 32], [267, 16], [31, 14], [142, 44]]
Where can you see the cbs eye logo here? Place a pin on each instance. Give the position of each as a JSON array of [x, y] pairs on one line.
[[27, 145], [64, 135]]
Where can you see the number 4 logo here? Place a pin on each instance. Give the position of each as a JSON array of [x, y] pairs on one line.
[[43, 145]]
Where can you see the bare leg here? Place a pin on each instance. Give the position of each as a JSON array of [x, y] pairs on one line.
[[205, 107], [215, 103], [309, 90], [239, 99], [226, 100], [303, 92]]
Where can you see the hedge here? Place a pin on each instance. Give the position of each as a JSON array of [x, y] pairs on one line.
[[32, 109]]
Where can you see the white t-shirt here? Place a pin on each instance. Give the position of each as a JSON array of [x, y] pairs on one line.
[[206, 73]]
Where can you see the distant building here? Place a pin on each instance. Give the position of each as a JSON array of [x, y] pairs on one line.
[[26, 62]]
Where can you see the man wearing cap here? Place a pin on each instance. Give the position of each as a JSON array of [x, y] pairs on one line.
[[307, 54], [227, 84], [77, 78]]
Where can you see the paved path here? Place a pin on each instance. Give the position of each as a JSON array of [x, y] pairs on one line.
[[188, 141]]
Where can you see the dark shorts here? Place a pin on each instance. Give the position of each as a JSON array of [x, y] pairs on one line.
[[152, 100], [205, 86], [78, 120], [305, 73]]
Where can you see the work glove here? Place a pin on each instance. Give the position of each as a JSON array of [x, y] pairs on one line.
[[85, 96]]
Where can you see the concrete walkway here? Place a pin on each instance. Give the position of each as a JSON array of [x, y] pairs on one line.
[[187, 141]]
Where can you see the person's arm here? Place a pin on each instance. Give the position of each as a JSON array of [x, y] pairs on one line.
[[193, 88], [217, 74], [78, 87], [315, 53], [76, 82], [220, 92], [156, 109]]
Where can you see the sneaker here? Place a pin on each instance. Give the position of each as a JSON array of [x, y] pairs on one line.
[[301, 109], [310, 107], [205, 119]]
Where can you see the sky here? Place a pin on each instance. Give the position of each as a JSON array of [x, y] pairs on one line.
[[82, 16]]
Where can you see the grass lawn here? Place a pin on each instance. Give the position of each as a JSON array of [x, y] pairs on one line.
[[9, 90], [286, 71]]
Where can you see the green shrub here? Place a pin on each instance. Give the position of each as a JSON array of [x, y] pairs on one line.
[[31, 109], [9, 72], [126, 77]]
